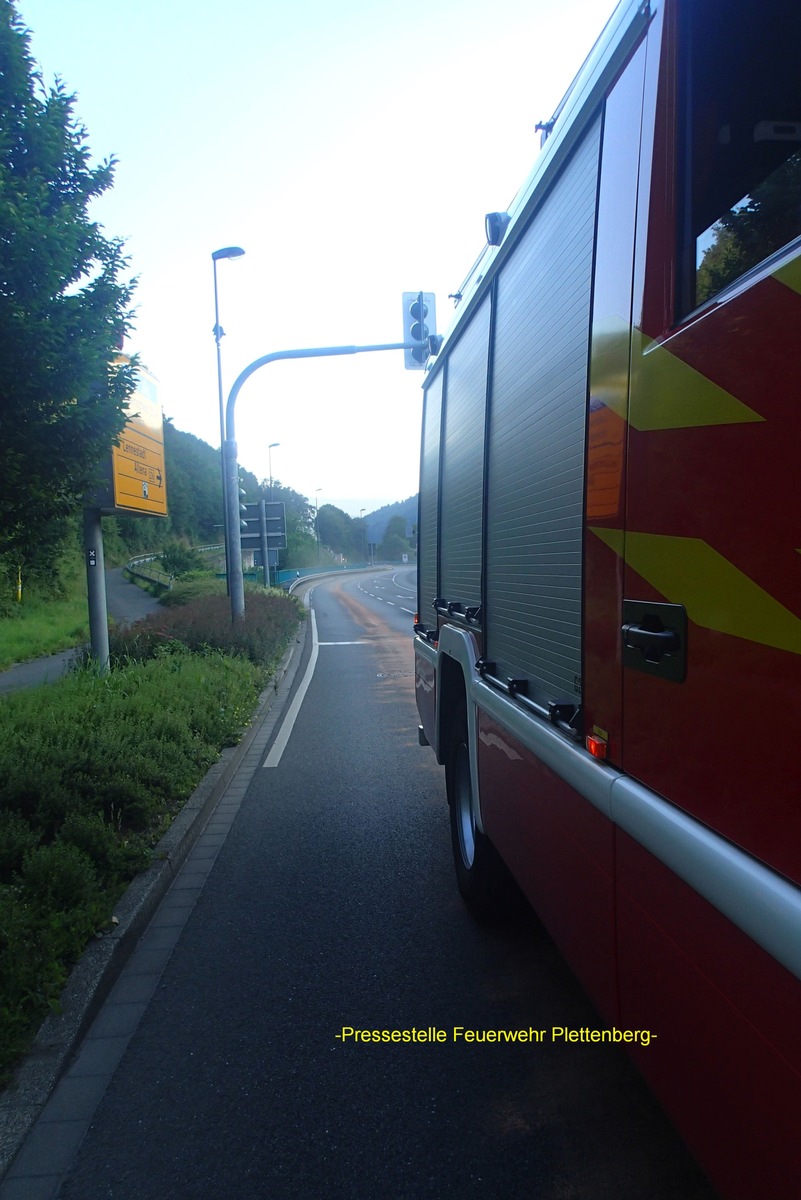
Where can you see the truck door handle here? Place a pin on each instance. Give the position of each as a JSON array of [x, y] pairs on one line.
[[655, 638], [655, 642]]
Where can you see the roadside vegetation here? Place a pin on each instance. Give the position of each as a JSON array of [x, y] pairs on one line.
[[94, 769]]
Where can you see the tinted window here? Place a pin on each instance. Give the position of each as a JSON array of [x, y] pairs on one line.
[[742, 144]]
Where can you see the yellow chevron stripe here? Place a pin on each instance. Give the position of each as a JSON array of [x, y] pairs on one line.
[[666, 393], [790, 274], [715, 593]]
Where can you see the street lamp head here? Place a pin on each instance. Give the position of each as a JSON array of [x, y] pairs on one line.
[[272, 445], [227, 252]]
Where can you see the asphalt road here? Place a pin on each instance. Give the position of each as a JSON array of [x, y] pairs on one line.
[[332, 905]]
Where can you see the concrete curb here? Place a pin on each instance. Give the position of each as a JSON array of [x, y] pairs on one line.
[[96, 972]]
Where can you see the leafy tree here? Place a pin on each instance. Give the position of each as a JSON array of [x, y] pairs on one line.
[[395, 543], [194, 486], [293, 502], [180, 559], [63, 304], [337, 531], [301, 543]]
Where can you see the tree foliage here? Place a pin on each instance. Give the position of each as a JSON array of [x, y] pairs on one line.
[[63, 303], [395, 542], [194, 486], [766, 220]]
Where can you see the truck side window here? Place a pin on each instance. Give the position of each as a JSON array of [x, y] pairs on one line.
[[742, 142]]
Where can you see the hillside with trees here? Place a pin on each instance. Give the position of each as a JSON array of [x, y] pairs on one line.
[[194, 501]]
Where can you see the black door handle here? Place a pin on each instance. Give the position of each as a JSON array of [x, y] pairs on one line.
[[655, 642], [655, 638]]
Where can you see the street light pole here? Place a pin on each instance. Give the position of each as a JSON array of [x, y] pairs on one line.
[[270, 449], [362, 511], [317, 520], [219, 333]]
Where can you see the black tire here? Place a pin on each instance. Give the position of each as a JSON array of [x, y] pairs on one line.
[[484, 882]]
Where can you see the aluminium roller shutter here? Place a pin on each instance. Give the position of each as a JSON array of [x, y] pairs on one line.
[[428, 512], [462, 485], [536, 450]]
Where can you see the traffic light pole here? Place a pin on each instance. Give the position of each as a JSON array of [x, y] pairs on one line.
[[236, 578]]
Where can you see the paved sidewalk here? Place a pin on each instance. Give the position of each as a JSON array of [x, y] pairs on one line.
[[126, 603], [41, 670], [46, 1111]]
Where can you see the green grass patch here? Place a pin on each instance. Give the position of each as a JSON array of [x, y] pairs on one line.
[[41, 624], [93, 770], [192, 587]]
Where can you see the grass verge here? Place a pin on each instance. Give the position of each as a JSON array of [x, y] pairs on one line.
[[42, 625], [94, 770]]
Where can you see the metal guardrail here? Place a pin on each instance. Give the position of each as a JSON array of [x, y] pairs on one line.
[[286, 579], [137, 566]]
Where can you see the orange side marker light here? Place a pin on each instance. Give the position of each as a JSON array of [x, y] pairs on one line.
[[597, 746]]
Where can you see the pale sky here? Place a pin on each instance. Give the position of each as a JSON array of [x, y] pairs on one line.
[[352, 148]]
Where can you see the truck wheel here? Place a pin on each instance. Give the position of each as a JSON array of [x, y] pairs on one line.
[[485, 884]]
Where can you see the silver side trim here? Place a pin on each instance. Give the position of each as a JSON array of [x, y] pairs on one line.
[[763, 905]]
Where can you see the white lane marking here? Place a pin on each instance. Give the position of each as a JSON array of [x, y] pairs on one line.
[[407, 610], [279, 745], [362, 643]]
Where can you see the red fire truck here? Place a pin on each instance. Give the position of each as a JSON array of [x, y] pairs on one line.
[[608, 641]]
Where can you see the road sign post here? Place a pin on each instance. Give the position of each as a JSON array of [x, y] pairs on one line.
[[96, 587]]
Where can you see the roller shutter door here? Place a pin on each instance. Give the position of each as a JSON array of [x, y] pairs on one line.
[[463, 464], [427, 547], [536, 447]]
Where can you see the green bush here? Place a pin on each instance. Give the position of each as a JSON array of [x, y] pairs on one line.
[[60, 886], [94, 768], [192, 587], [179, 559], [116, 857], [270, 619], [33, 972], [16, 839]]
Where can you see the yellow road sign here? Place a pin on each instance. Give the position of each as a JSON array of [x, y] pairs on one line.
[[140, 484]]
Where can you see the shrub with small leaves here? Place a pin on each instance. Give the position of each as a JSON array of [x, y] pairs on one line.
[[115, 857], [205, 623], [192, 587], [60, 885], [33, 972], [16, 840], [95, 766]]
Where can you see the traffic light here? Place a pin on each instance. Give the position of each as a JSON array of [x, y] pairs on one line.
[[419, 329], [243, 508]]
